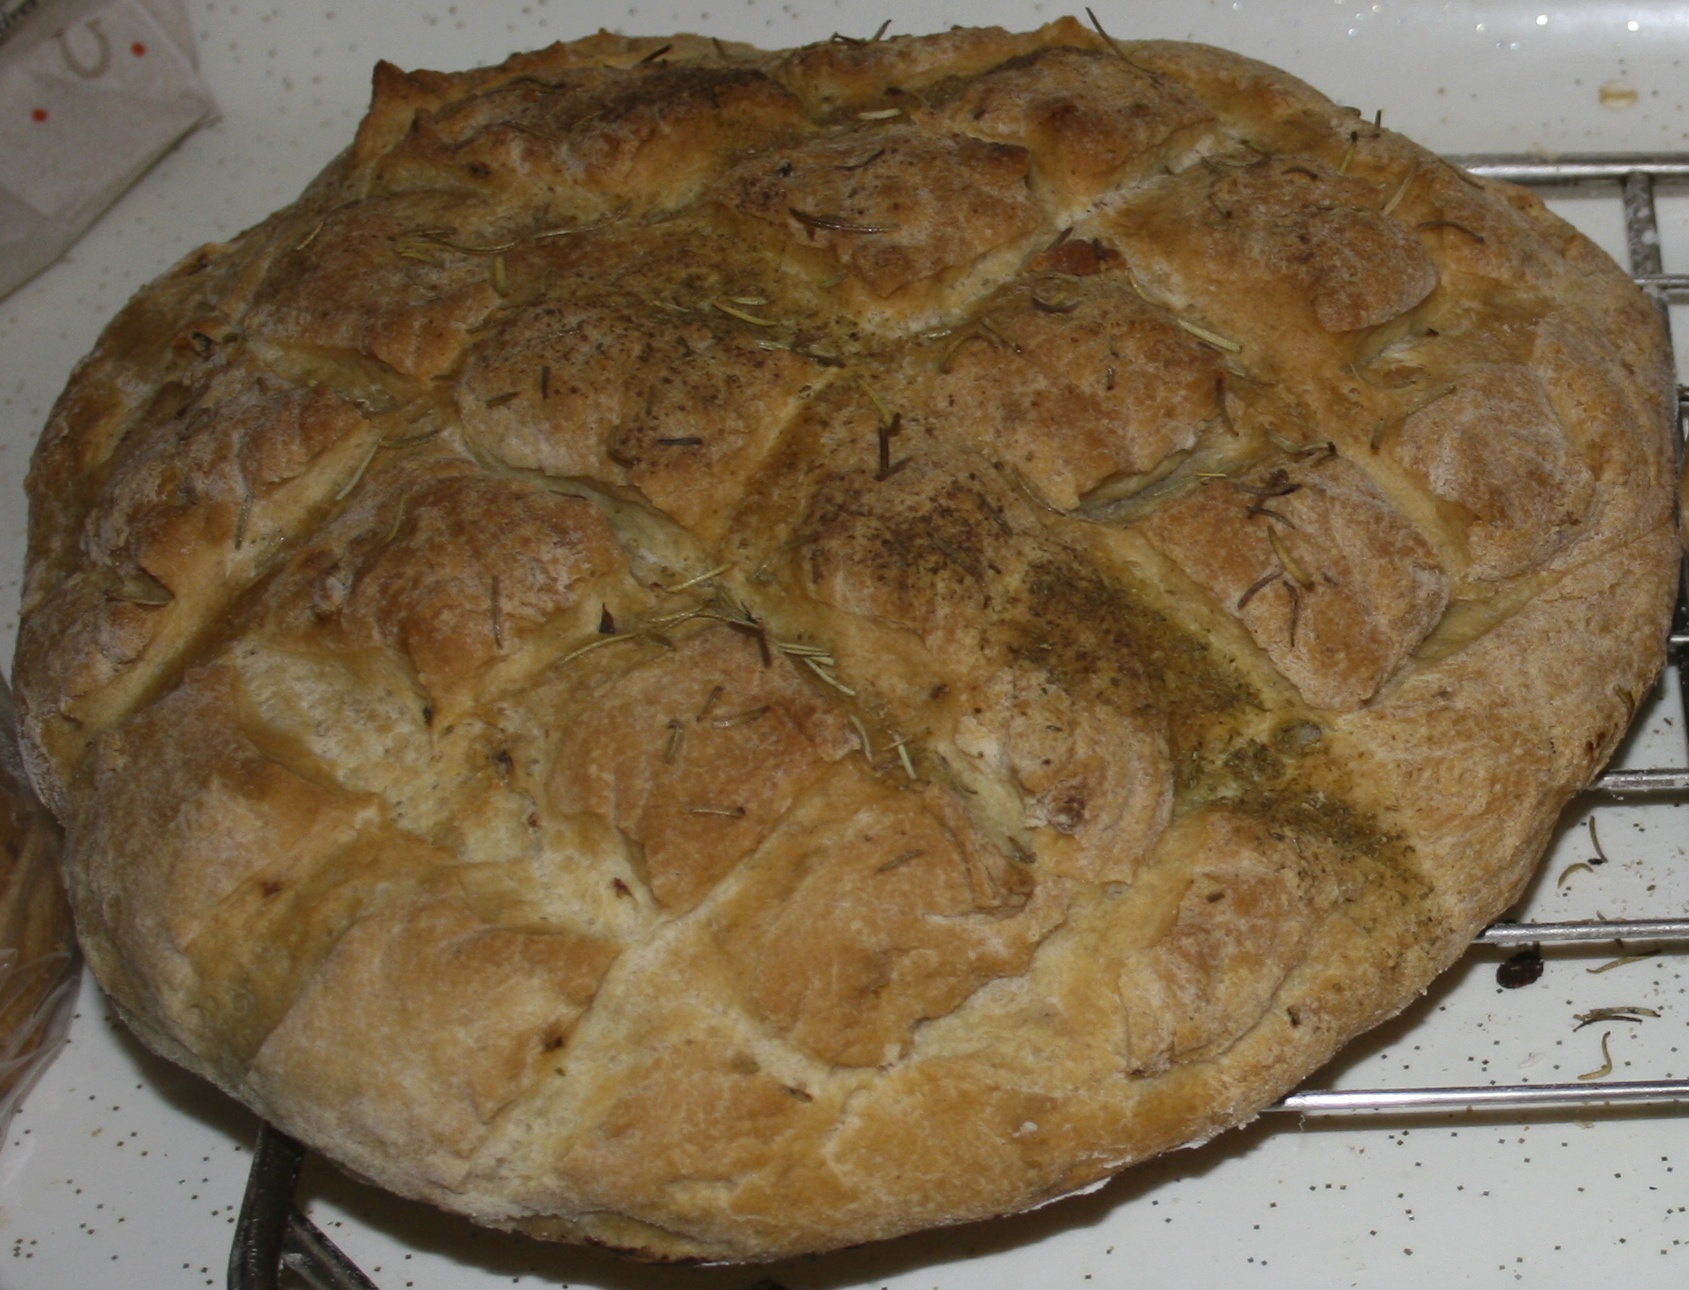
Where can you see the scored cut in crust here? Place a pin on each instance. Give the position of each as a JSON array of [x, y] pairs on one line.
[[727, 653]]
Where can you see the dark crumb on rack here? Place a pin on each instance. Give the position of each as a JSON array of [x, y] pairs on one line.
[[1520, 970]]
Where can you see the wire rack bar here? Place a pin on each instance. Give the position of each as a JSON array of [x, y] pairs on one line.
[[317, 1260], [1497, 1097], [1595, 930], [271, 1233], [1642, 783], [1574, 167]]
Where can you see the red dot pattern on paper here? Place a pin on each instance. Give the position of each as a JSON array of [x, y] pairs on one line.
[[40, 114], [138, 49]]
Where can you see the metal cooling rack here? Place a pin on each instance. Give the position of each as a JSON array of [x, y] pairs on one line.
[[272, 1234]]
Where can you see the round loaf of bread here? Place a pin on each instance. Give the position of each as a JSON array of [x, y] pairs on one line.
[[727, 654]]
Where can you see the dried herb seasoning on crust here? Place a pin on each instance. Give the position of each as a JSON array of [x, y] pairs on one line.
[[727, 653]]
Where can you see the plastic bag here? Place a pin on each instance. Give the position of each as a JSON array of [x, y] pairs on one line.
[[92, 92], [39, 964]]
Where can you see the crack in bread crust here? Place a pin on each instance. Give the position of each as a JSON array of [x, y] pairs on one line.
[[730, 654]]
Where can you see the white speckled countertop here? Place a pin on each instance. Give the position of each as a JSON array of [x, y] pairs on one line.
[[121, 1171]]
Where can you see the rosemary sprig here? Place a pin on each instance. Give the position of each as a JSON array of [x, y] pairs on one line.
[[1606, 1067], [1401, 188], [837, 224], [1454, 224], [1289, 562], [1625, 1012], [733, 311], [742, 718], [696, 579], [824, 672]]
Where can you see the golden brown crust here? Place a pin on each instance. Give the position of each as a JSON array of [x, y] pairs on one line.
[[729, 654]]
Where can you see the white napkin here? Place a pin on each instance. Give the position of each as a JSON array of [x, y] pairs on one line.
[[92, 92]]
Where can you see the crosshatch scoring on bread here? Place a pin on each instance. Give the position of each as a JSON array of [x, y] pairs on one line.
[[727, 653]]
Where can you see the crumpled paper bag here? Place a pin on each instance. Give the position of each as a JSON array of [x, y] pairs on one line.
[[38, 959], [92, 92]]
